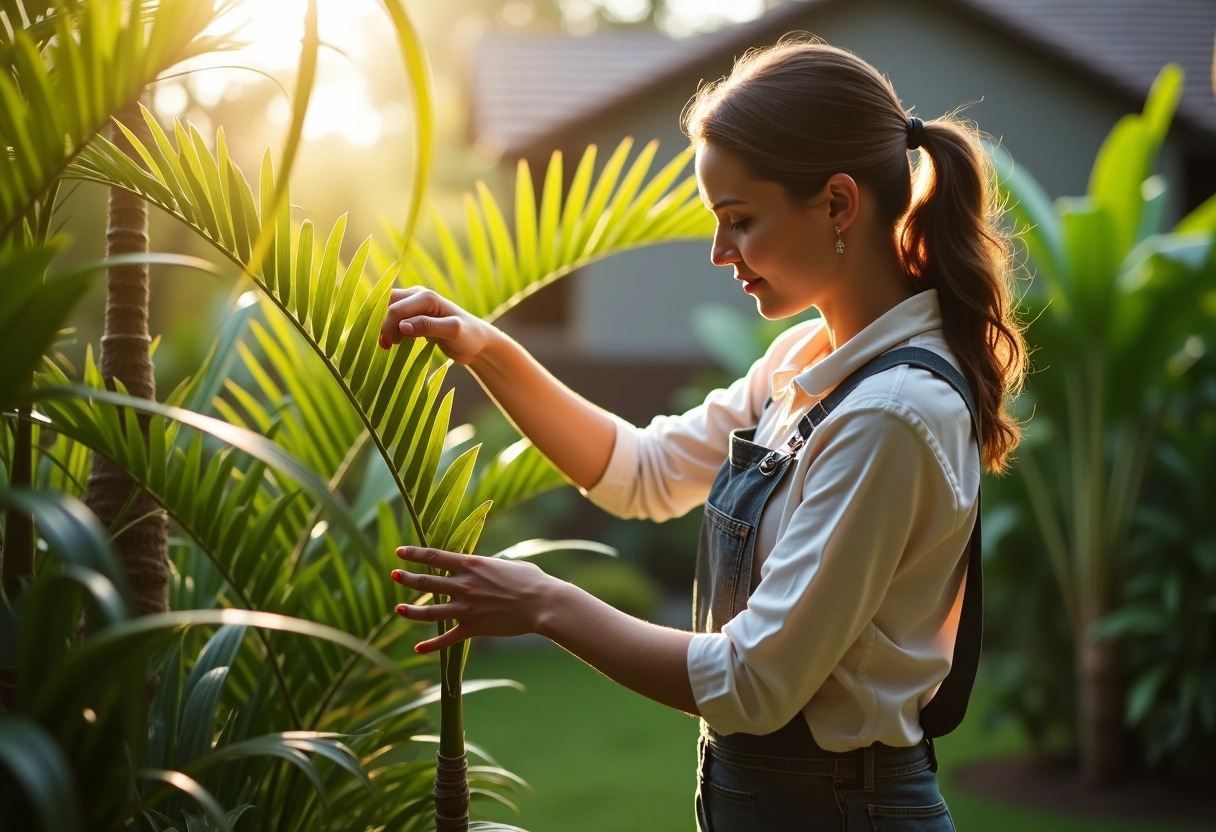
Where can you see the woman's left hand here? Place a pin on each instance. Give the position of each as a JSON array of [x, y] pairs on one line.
[[486, 596]]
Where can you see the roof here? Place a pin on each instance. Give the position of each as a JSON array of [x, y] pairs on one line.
[[1121, 44], [566, 78]]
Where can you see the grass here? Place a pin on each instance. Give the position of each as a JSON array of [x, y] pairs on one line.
[[600, 758]]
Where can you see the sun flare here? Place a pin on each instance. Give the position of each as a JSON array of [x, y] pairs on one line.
[[341, 104]]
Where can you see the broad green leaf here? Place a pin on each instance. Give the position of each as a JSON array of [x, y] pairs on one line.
[[1035, 219], [36, 763], [1092, 261], [191, 787]]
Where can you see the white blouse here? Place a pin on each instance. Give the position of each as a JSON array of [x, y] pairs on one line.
[[860, 552]]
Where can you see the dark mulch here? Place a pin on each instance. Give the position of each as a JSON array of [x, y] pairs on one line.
[[1055, 785]]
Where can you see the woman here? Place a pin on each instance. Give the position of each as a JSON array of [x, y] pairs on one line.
[[841, 489]]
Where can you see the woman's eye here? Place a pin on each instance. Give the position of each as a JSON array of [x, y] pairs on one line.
[[738, 225]]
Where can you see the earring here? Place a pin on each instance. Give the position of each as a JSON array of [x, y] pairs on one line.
[[839, 242]]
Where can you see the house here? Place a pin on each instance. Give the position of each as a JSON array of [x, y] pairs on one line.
[[1048, 78]]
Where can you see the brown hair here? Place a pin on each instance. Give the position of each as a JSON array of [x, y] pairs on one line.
[[799, 112]]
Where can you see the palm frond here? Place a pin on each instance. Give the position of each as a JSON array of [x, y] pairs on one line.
[[518, 473], [397, 393], [66, 80], [617, 210], [337, 315]]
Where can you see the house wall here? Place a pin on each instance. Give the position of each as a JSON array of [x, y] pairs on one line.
[[635, 307]]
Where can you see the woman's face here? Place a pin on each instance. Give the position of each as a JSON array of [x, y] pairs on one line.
[[776, 246]]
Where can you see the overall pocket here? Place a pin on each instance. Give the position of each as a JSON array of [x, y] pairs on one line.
[[725, 540]]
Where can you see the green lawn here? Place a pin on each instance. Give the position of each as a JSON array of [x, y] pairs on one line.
[[602, 759]]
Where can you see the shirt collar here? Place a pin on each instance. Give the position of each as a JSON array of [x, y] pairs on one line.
[[918, 314]]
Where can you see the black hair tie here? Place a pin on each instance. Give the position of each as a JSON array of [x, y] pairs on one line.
[[916, 129]]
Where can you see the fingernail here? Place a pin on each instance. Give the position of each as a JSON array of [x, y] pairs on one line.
[[401, 551], [418, 648], [401, 608], [384, 342], [397, 573]]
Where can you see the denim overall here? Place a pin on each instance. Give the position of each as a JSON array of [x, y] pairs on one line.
[[783, 780]]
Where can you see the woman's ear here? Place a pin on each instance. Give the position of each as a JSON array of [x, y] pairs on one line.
[[843, 200]]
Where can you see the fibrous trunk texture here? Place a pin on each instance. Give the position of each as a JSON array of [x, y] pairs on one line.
[[451, 794], [126, 356], [1099, 705]]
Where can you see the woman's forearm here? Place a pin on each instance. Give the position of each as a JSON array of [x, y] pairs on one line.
[[496, 597], [644, 657], [574, 434]]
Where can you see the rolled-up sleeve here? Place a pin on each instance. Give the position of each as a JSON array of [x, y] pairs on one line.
[[872, 490]]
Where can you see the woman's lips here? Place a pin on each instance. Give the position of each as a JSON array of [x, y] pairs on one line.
[[749, 282]]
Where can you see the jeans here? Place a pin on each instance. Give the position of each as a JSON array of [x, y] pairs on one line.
[[818, 790]]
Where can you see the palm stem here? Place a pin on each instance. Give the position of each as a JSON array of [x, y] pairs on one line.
[[18, 550]]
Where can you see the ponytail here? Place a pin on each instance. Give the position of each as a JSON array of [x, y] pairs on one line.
[[950, 241]]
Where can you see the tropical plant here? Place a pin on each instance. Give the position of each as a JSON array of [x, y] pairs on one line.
[[1167, 615], [1113, 298], [79, 755], [74, 754], [56, 56], [326, 318], [257, 530]]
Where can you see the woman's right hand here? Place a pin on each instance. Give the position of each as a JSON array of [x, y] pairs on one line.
[[418, 312]]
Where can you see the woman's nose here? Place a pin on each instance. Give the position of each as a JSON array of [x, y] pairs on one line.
[[723, 251]]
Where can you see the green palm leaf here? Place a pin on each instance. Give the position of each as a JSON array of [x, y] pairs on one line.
[[72, 72], [614, 213], [518, 473]]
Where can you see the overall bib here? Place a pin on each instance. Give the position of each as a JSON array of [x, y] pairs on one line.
[[783, 780]]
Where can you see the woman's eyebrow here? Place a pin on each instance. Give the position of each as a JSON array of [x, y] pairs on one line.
[[727, 202]]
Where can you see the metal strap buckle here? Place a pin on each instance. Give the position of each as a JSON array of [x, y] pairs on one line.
[[773, 458]]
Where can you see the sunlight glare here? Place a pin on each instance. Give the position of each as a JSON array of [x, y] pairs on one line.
[[272, 31], [688, 17]]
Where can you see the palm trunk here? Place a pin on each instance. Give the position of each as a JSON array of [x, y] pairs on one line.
[[451, 766], [451, 793], [1099, 703], [126, 356]]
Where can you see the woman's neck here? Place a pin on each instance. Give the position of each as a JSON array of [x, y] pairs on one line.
[[873, 283]]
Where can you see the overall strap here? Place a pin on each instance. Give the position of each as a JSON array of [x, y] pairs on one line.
[[948, 707]]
